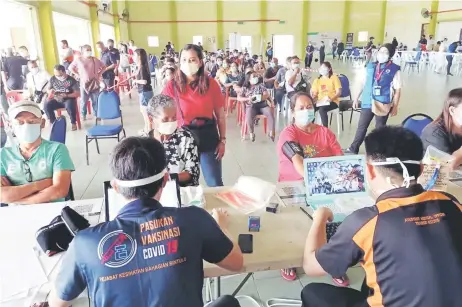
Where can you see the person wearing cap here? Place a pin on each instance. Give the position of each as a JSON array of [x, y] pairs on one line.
[[149, 255], [380, 94], [35, 170], [409, 243]]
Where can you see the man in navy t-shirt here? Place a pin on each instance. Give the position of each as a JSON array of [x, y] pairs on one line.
[[452, 48], [148, 255]]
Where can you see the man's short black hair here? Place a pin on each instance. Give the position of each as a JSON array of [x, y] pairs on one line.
[[60, 68], [65, 42], [138, 158], [395, 142], [110, 41]]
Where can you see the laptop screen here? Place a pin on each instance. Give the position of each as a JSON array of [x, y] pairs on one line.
[[335, 175]]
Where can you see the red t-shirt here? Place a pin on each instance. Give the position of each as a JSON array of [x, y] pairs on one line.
[[319, 143], [194, 104]]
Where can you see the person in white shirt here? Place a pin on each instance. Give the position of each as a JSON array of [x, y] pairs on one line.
[[66, 54], [296, 80], [36, 79], [430, 43]]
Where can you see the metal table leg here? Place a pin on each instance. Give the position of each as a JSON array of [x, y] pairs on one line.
[[239, 287], [216, 287]]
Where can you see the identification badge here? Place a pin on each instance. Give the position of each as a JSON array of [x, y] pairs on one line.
[[377, 90]]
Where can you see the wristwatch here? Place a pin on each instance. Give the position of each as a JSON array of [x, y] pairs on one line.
[[223, 140]]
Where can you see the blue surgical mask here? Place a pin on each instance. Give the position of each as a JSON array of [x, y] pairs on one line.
[[27, 133], [304, 117], [272, 65]]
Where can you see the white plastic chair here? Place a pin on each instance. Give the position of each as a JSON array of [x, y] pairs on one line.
[[242, 299], [457, 65], [337, 116], [281, 302], [344, 56]]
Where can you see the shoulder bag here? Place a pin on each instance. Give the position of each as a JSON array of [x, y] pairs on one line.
[[92, 85], [203, 129]]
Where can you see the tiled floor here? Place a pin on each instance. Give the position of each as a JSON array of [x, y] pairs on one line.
[[422, 93]]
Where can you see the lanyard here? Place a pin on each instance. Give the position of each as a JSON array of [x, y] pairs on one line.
[[378, 73]]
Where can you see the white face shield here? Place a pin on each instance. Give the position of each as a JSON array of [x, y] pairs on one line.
[[392, 161], [140, 182]]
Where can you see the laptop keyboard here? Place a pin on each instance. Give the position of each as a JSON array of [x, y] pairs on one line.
[[331, 229]]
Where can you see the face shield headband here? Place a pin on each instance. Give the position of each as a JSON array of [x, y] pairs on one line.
[[392, 161], [140, 182]]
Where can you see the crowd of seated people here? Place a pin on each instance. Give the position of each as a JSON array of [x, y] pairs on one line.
[[38, 171]]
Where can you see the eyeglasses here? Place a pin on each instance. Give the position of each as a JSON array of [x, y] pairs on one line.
[[28, 172]]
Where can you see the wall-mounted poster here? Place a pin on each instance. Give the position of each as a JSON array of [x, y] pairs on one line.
[[349, 41]]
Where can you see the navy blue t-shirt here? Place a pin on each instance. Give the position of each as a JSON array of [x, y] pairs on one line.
[[148, 256], [108, 58]]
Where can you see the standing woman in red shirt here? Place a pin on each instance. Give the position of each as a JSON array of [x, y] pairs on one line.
[[200, 108]]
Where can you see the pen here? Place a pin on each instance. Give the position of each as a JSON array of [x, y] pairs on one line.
[[304, 211]]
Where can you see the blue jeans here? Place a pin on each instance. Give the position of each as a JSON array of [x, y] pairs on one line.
[[145, 97], [211, 169], [84, 96]]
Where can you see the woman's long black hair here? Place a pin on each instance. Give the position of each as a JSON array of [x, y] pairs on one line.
[[247, 79], [144, 64], [201, 80]]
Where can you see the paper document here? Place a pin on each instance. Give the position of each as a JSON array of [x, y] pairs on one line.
[[292, 193], [323, 102]]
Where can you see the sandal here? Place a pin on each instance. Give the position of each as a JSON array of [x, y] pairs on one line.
[[343, 281], [289, 274]]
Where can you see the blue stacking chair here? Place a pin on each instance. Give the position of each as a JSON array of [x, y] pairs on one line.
[[58, 134], [413, 62], [58, 130], [346, 101], [417, 125], [108, 108]]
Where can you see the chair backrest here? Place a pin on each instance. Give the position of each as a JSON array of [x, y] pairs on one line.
[[108, 105], [345, 86], [417, 125], [13, 96], [58, 130], [418, 55], [356, 52]]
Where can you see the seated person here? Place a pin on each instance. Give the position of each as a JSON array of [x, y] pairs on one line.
[[259, 67], [407, 243], [180, 145], [304, 139], [270, 74], [255, 96], [222, 75], [169, 74], [133, 274], [63, 91], [326, 88], [36, 170], [37, 81], [295, 79], [445, 133], [233, 78]]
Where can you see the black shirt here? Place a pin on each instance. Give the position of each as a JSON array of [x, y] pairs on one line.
[[409, 244], [437, 135], [13, 67], [423, 41], [108, 58], [144, 74], [270, 73]]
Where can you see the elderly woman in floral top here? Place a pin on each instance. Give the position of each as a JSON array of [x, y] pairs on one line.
[[180, 147]]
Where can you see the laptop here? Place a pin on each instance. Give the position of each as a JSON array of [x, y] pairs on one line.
[[337, 183]]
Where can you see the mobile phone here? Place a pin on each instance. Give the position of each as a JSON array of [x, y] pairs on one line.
[[245, 242]]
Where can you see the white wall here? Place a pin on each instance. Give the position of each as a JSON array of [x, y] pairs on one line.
[[449, 29], [72, 8]]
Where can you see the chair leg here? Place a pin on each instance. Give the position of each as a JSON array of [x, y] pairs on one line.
[[341, 117], [118, 137], [330, 122], [97, 146], [77, 116], [86, 149], [351, 115], [125, 135]]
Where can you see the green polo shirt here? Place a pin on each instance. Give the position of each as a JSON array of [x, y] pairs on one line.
[[50, 157]]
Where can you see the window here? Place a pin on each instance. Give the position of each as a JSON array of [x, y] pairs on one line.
[[106, 32], [363, 36], [197, 39], [153, 41]]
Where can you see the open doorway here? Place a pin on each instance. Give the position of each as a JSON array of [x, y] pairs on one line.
[[246, 43], [283, 47]]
